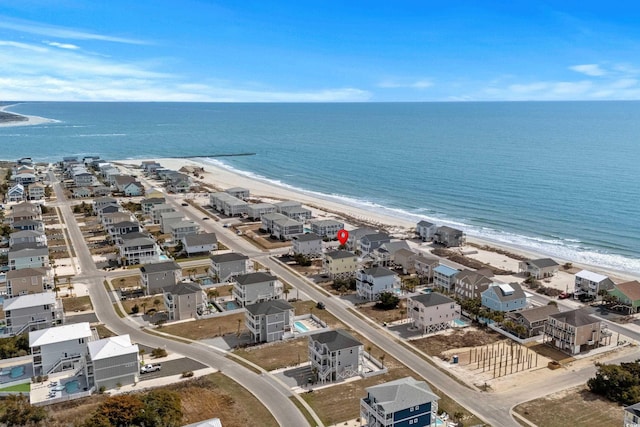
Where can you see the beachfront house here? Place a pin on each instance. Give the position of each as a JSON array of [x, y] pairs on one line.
[[432, 312], [444, 277], [335, 355], [226, 266], [399, 403], [185, 300], [628, 295], [471, 284], [340, 264], [28, 281], [59, 349], [353, 242], [504, 297], [385, 255], [269, 321], [371, 282], [371, 242], [268, 219], [449, 237], [29, 257], [286, 228], [238, 192], [424, 266], [114, 362], [227, 204], [256, 287], [159, 275], [326, 228], [632, 415], [257, 210], [32, 312], [591, 284], [533, 319], [538, 268], [294, 210], [426, 230], [200, 243], [575, 331], [308, 244]]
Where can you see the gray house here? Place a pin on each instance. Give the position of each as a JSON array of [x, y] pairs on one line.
[[269, 320], [538, 268], [159, 275], [32, 312], [256, 287], [226, 266], [114, 362], [255, 211], [335, 355], [426, 230], [449, 236], [371, 242], [184, 301], [309, 244]]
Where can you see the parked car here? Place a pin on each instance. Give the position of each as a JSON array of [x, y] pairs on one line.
[[565, 295], [185, 204], [151, 367]]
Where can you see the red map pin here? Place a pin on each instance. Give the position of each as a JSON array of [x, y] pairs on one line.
[[343, 236]]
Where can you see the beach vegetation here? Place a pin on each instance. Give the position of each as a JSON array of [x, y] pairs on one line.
[[344, 285], [618, 383], [14, 346], [17, 411], [302, 260], [387, 301]]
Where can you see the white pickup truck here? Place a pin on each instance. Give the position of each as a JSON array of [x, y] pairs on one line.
[[150, 368]]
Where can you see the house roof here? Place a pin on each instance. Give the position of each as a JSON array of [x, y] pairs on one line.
[[213, 422], [200, 239], [158, 267], [326, 222], [25, 233], [111, 347], [630, 289], [427, 260], [27, 222], [591, 276], [307, 237], [26, 245], [228, 257], [393, 247], [359, 232], [125, 224], [542, 262], [378, 272], [138, 241], [432, 299], [339, 254], [400, 394], [273, 216], [183, 224], [579, 317], [28, 252], [473, 277], [286, 222], [404, 252], [254, 278], [507, 292], [29, 300], [448, 230], [336, 340], [237, 189], [446, 270], [153, 201], [62, 333], [184, 288], [26, 272], [376, 237], [134, 235], [536, 314], [262, 206], [424, 223], [269, 307], [634, 409]]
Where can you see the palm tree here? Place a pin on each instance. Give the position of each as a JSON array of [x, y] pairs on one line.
[[70, 288], [239, 321], [56, 290], [382, 359], [213, 294], [286, 290], [156, 303], [142, 352], [369, 348]]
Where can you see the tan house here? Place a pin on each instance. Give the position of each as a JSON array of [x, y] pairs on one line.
[[405, 259], [538, 268], [533, 319], [424, 266], [339, 264], [432, 312], [470, 284], [28, 281], [575, 331]]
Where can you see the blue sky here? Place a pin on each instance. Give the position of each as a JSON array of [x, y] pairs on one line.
[[312, 51]]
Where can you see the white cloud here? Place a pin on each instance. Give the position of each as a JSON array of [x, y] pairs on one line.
[[397, 84], [31, 27], [63, 45], [592, 70]]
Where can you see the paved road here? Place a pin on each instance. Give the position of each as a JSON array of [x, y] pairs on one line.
[[273, 395]]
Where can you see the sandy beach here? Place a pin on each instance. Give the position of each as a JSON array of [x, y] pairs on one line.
[[354, 217], [20, 119]]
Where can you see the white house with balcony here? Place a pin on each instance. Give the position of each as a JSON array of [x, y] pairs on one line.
[[335, 355], [28, 258], [256, 287], [327, 228], [308, 244], [32, 312], [255, 211], [432, 312], [590, 283], [445, 277], [371, 282], [60, 349], [426, 230]]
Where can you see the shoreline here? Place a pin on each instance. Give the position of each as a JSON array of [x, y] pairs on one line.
[[23, 119], [221, 177]]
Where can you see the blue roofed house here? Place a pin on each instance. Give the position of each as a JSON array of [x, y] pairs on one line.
[[445, 277], [504, 297], [402, 402]]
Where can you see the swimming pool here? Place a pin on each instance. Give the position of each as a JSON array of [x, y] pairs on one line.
[[17, 372], [231, 305], [71, 386], [206, 281], [163, 258], [300, 326], [439, 422], [460, 322]]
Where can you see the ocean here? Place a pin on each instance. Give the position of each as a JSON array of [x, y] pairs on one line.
[[560, 178]]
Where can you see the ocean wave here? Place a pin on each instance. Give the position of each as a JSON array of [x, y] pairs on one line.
[[570, 249], [97, 135]]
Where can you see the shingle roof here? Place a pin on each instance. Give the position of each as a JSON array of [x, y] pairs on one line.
[[378, 272], [579, 317], [307, 237], [335, 340], [339, 254], [183, 288], [253, 278], [507, 292], [543, 262], [424, 223], [376, 237], [228, 257], [26, 272], [158, 267], [200, 239], [630, 289], [537, 314], [401, 394], [432, 299], [473, 277], [269, 307], [634, 409]]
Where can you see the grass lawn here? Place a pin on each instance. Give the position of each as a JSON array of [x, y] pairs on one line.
[[199, 270], [132, 281], [578, 404], [211, 396], [278, 355], [381, 316], [77, 303], [21, 388], [435, 345], [207, 328]]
